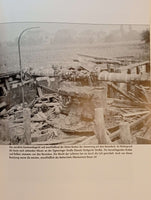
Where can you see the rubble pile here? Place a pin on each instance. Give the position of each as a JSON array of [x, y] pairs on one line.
[[62, 104]]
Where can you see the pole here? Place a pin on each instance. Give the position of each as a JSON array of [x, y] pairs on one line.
[[20, 61]]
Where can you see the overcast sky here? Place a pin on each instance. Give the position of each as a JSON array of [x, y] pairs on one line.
[[83, 11], [11, 31]]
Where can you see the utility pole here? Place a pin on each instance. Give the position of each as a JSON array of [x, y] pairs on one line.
[[20, 61]]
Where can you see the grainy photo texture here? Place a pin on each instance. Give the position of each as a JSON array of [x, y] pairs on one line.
[[74, 84]]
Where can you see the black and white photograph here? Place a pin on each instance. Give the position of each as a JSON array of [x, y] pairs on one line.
[[74, 84], [75, 100]]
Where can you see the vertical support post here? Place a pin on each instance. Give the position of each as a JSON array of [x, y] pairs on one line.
[[125, 134], [7, 129], [27, 125], [20, 61], [100, 129], [21, 70], [4, 129], [128, 84], [99, 98], [147, 68], [137, 70]]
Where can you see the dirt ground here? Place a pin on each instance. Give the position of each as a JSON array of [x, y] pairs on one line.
[[43, 56]]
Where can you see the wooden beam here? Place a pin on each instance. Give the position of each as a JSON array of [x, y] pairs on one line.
[[145, 94], [119, 90], [99, 60], [131, 66], [7, 84], [122, 77], [88, 140], [99, 127], [27, 125], [62, 141], [135, 113], [125, 135], [142, 140], [48, 89], [3, 104], [133, 125]]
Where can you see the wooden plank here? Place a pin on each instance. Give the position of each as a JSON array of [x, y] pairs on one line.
[[88, 140], [127, 102], [4, 129], [4, 91], [3, 104], [99, 60], [147, 134], [61, 141], [3, 112], [135, 99], [139, 121], [119, 90], [133, 125], [32, 120], [48, 89], [142, 140], [131, 66], [135, 113], [113, 129], [27, 125], [145, 94], [99, 127], [95, 57], [122, 78], [125, 135], [78, 131], [7, 84]]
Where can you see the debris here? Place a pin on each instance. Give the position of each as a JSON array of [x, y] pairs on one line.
[[88, 140], [96, 100], [3, 104], [136, 113], [7, 84], [137, 124], [121, 78], [100, 130], [39, 92], [4, 130], [52, 104], [125, 135], [142, 140], [41, 137], [120, 91], [3, 112], [27, 121], [62, 141]]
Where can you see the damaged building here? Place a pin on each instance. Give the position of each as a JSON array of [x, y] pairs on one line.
[[95, 100]]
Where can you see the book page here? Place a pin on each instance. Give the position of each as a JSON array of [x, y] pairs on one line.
[[75, 99]]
